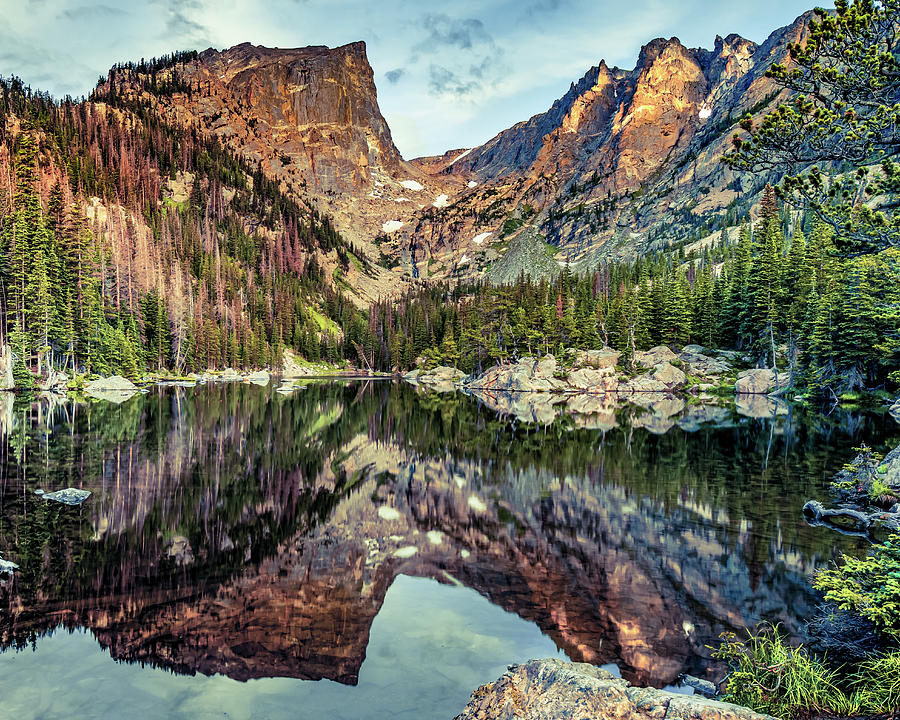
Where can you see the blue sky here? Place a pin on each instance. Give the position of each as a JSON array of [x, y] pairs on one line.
[[449, 75]]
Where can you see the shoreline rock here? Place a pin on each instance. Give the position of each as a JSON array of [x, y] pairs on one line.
[[761, 381], [855, 511], [115, 389], [555, 690]]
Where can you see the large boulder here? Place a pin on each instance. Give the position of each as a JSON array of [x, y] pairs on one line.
[[654, 356], [545, 367], [760, 381], [593, 380], [56, 382], [442, 373], [527, 375], [605, 358], [669, 375], [556, 690], [702, 365], [643, 384], [115, 389]]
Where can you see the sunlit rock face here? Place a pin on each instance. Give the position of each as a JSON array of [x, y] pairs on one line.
[[625, 159], [624, 162], [308, 118], [236, 531]]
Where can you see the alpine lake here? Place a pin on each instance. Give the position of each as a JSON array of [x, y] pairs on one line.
[[366, 549]]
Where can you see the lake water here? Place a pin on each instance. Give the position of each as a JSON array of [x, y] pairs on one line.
[[365, 550]]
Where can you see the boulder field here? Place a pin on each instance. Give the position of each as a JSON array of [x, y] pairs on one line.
[[590, 385]]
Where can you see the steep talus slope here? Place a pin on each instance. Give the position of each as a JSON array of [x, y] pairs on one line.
[[625, 161]]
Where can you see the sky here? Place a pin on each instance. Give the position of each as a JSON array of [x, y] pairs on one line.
[[449, 75]]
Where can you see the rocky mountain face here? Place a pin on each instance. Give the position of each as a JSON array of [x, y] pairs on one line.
[[625, 161], [307, 117]]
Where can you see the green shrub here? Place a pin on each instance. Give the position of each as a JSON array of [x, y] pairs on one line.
[[877, 684], [770, 676], [868, 586]]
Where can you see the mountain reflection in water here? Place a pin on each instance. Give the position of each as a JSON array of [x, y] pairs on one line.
[[233, 530]]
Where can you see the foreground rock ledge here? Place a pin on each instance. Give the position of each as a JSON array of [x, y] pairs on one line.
[[555, 690]]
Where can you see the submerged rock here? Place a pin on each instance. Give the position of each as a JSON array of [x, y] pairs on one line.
[[180, 550], [287, 388], [69, 496], [261, 377], [555, 690], [441, 375], [701, 686]]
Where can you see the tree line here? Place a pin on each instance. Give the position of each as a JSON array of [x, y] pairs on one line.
[[834, 323]]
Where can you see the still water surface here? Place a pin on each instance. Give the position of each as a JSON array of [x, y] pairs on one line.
[[363, 550]]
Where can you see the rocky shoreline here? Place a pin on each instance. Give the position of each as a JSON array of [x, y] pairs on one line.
[[555, 690], [118, 389], [591, 385]]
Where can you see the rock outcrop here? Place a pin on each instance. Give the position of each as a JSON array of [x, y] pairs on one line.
[[624, 162], [761, 381], [308, 118], [115, 389], [555, 690], [590, 387]]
